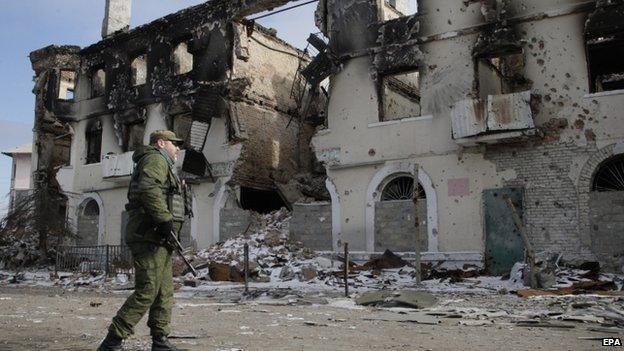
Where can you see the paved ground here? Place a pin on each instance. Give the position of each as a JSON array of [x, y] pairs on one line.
[[53, 319]]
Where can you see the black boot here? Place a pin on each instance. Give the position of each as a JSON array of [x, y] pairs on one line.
[[161, 343], [111, 343]]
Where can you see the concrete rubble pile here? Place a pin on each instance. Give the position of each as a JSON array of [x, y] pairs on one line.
[[274, 258], [16, 253]]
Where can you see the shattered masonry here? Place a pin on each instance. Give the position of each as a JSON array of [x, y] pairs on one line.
[[221, 82], [473, 99]]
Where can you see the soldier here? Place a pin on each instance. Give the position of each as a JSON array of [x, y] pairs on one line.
[[156, 207]]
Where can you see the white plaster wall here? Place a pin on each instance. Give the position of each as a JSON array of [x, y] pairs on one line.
[[555, 62], [557, 65], [217, 148], [202, 230], [156, 120], [21, 164], [113, 202], [459, 218]]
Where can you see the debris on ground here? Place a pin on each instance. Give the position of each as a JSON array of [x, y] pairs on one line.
[[397, 298], [385, 261]]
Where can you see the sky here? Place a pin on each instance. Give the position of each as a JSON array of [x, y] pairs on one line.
[[28, 25]]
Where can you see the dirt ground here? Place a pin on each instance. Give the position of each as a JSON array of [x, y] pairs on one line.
[[35, 318]]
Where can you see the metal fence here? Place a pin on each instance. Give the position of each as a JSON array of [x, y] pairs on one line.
[[110, 259]]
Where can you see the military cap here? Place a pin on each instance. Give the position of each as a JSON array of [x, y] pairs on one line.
[[165, 135]]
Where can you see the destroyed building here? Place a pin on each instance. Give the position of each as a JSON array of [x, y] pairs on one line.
[[489, 99], [480, 101], [229, 87]]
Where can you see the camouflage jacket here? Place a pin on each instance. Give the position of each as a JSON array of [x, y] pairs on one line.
[[155, 195]]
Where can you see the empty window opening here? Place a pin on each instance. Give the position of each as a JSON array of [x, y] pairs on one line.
[[401, 188], [138, 69], [98, 82], [400, 96], [398, 8], [610, 175], [501, 74], [261, 201], [182, 59], [94, 141], [606, 67], [67, 84]]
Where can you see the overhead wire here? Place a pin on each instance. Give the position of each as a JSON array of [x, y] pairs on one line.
[[282, 10]]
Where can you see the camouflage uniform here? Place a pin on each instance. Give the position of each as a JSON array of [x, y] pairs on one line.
[[155, 196]]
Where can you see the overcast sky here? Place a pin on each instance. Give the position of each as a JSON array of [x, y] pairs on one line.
[[28, 25]]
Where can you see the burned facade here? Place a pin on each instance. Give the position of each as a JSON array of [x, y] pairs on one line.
[[437, 112], [221, 82], [488, 100]]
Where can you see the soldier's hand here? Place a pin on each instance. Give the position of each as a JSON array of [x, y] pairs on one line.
[[165, 229]]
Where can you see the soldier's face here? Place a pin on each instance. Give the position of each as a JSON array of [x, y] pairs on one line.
[[171, 148]]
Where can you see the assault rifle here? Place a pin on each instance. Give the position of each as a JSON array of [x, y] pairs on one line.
[[178, 247]]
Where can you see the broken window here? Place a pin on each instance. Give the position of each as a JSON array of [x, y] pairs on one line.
[[67, 84], [401, 188], [604, 58], [98, 82], [400, 96], [94, 141], [261, 201], [610, 175], [604, 37], [139, 70], [500, 74], [182, 59], [398, 8]]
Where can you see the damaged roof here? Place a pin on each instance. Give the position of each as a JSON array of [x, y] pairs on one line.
[[22, 149]]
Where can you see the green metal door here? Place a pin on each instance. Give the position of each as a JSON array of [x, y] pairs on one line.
[[503, 243]]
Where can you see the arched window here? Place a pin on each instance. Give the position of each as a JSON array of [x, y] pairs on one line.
[[182, 59], [91, 209], [88, 223], [139, 70], [401, 188], [610, 175]]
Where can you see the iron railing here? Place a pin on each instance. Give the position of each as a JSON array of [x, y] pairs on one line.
[[110, 259]]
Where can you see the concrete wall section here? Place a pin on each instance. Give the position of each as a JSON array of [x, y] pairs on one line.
[[394, 227], [607, 227], [311, 223], [233, 222]]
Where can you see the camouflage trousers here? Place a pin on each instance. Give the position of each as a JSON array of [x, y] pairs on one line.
[[153, 292]]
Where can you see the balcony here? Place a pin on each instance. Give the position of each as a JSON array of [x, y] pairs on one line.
[[117, 167], [502, 118]]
